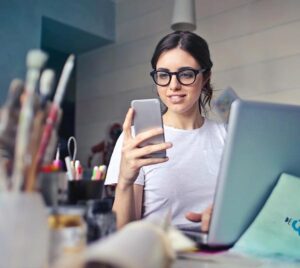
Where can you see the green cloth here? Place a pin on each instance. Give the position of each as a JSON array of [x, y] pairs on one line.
[[275, 232]]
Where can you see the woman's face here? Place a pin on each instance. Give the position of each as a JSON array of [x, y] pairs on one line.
[[179, 98]]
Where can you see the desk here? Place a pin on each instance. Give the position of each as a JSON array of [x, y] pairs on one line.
[[228, 260], [198, 260], [141, 247]]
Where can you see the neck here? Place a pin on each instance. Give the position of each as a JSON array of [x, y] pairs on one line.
[[186, 121]]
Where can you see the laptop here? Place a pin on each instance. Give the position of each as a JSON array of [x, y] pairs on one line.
[[263, 141]]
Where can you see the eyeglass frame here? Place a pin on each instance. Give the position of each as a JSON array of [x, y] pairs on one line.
[[195, 71]]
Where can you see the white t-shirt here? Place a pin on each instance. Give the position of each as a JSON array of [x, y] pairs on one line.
[[187, 181]]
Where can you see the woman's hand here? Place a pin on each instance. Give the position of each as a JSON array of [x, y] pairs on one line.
[[203, 217], [132, 158]]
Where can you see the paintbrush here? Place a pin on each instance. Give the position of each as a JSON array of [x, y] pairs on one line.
[[8, 121], [53, 113], [35, 61], [46, 87]]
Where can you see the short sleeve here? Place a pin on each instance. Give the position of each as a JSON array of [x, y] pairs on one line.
[[112, 175], [113, 170]]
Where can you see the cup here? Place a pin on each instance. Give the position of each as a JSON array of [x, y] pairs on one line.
[[83, 190], [24, 233], [53, 186]]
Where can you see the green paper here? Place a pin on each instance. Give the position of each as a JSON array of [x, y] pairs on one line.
[[275, 232]]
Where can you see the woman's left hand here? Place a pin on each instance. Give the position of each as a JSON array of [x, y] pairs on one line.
[[203, 217]]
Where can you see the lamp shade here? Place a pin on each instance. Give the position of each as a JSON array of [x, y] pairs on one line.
[[184, 15]]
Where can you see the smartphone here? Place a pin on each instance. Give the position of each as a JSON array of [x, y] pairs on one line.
[[147, 115]]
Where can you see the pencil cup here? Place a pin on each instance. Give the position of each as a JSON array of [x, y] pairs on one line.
[[53, 186], [24, 233], [83, 190]]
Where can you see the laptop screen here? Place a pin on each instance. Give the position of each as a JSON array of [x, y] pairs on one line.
[[263, 141]]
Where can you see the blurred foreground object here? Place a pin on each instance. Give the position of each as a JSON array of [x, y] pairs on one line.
[[138, 244], [223, 103], [23, 230], [29, 123]]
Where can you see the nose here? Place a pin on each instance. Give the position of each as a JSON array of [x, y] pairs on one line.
[[174, 83]]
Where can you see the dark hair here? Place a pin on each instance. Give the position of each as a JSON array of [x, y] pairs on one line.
[[198, 48]]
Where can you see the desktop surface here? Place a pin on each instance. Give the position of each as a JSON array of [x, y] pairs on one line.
[[226, 259]]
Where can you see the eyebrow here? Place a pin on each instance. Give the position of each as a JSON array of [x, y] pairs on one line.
[[163, 69], [180, 69], [186, 68]]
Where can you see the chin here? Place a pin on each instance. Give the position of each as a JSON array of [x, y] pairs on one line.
[[182, 108], [179, 109]]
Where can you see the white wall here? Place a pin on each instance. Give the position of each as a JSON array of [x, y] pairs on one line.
[[254, 46]]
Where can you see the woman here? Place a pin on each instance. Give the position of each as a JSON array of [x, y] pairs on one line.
[[185, 181]]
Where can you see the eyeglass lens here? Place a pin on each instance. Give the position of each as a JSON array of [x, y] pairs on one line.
[[185, 77]]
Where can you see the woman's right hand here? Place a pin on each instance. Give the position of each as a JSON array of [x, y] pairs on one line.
[[133, 156]]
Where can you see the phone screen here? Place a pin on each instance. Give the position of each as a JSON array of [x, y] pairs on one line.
[[147, 115]]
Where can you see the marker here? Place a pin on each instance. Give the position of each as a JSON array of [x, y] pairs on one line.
[[70, 172], [56, 162], [78, 170], [103, 168], [95, 170]]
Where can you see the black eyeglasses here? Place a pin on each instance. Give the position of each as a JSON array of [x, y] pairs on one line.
[[185, 77]]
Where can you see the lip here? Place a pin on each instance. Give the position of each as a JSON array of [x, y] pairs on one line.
[[176, 95], [176, 98]]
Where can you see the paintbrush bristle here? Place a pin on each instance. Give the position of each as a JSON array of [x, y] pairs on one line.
[[15, 90], [15, 86], [36, 59], [71, 57], [47, 82]]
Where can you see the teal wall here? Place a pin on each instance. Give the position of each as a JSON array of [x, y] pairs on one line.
[[20, 30], [68, 26]]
